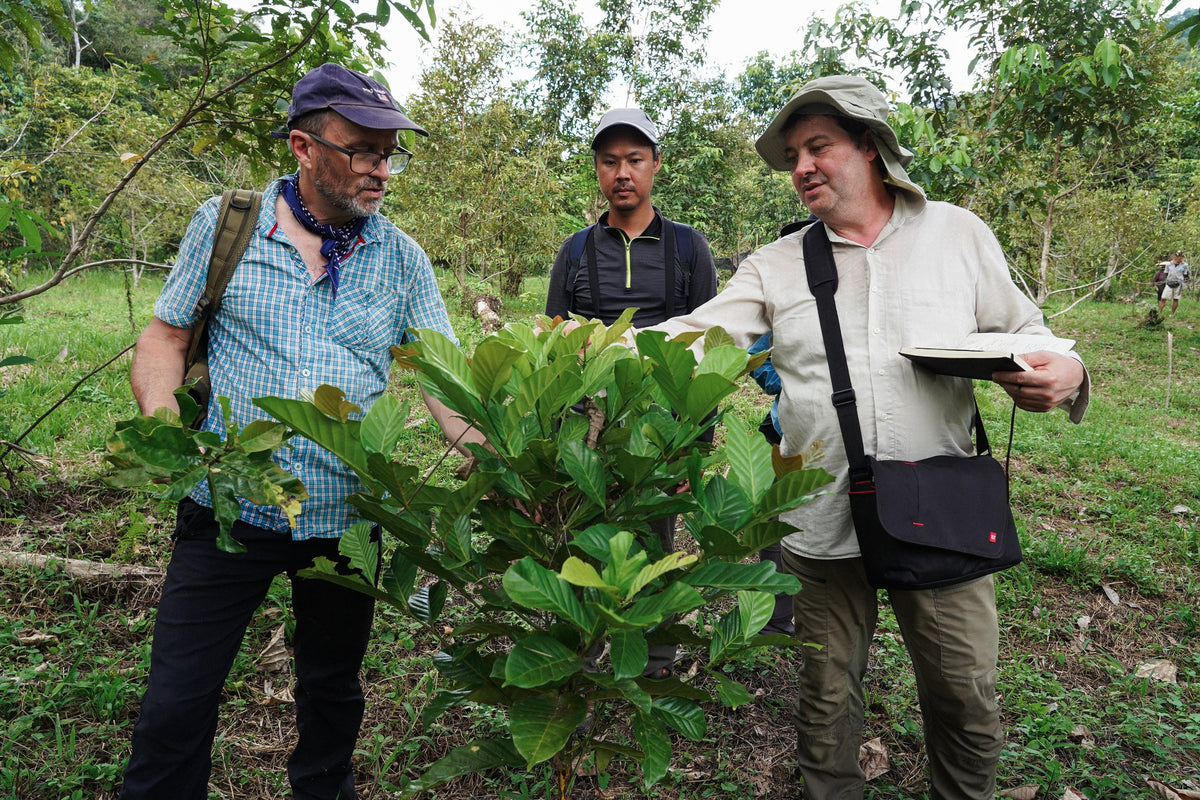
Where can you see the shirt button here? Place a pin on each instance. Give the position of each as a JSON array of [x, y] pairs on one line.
[[308, 328], [880, 372], [304, 372], [879, 330]]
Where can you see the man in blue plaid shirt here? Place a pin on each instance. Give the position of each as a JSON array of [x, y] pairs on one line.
[[325, 287]]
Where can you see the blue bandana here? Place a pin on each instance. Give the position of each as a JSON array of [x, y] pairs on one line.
[[336, 240]]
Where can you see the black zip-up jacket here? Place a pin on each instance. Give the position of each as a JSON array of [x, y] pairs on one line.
[[631, 275]]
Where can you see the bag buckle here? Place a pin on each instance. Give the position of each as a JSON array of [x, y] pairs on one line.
[[843, 397]]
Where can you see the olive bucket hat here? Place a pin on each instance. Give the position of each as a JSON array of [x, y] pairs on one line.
[[842, 96]]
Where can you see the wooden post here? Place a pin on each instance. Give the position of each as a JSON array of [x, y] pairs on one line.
[[1170, 348]]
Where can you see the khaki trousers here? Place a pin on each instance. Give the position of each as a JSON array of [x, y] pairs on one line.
[[952, 638]]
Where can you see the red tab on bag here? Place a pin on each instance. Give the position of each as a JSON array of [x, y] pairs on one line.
[[992, 537]]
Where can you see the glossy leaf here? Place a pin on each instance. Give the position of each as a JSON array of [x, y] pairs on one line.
[[383, 425], [629, 653], [473, 758], [541, 724], [536, 587], [539, 660], [656, 748]]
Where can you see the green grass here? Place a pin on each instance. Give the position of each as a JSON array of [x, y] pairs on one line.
[[1095, 503]]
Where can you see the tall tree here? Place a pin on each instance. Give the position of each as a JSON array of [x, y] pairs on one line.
[[242, 66], [480, 196]]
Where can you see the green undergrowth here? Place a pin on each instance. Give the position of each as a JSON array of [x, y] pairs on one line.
[[1106, 510]]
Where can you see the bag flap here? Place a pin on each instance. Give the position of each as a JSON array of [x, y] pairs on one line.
[[951, 503]]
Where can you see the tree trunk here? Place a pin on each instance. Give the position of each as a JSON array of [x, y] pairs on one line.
[[1043, 283]]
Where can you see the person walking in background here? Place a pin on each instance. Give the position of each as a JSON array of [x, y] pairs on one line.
[[1175, 275], [325, 287], [633, 257]]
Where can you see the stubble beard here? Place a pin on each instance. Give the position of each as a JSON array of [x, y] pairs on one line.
[[346, 199]]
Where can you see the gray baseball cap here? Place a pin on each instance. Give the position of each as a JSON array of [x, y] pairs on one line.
[[629, 117], [842, 96]]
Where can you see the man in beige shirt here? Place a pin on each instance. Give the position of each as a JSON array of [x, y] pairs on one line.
[[911, 272]]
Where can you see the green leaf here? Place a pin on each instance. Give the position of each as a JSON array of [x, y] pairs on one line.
[[717, 337], [651, 572], [629, 653], [792, 490], [704, 394], [427, 602], [540, 660], [578, 572], [357, 545], [492, 365], [749, 462], [339, 438], [586, 469], [476, 757], [677, 598], [541, 724], [463, 665], [399, 578], [683, 715], [331, 401], [536, 587], [755, 609], [324, 569], [731, 692], [650, 733], [736, 577], [383, 425]]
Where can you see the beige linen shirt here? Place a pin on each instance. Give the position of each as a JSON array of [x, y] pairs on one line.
[[934, 274]]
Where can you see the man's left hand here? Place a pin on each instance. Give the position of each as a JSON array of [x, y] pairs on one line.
[[1051, 382]]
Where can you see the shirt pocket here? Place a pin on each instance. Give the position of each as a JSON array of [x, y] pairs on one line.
[[365, 318]]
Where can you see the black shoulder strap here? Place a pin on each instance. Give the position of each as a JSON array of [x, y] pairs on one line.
[[579, 240], [669, 235], [823, 282], [235, 224]]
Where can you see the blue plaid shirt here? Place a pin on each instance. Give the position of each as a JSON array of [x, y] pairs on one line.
[[280, 333]]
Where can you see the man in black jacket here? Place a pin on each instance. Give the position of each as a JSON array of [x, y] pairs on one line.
[[633, 257], [636, 252]]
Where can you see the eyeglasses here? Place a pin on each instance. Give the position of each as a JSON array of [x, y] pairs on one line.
[[364, 162]]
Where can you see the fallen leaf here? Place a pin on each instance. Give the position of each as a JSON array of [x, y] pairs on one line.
[[1083, 622], [1170, 792], [274, 657], [1027, 792], [1081, 736], [1181, 510], [1112, 595], [873, 758], [36, 639], [275, 697], [1160, 670], [127, 157], [1072, 793]]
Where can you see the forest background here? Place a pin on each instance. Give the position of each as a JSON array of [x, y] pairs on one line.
[[1076, 141]]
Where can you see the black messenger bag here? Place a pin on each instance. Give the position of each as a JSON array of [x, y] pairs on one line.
[[920, 524]]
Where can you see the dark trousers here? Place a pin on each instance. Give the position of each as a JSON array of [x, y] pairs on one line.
[[208, 599], [662, 656]]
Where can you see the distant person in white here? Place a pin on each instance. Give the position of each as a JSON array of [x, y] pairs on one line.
[[1175, 276]]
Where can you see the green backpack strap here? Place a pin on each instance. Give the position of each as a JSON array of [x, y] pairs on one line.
[[235, 223]]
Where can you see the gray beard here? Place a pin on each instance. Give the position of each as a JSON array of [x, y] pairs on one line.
[[347, 204]]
